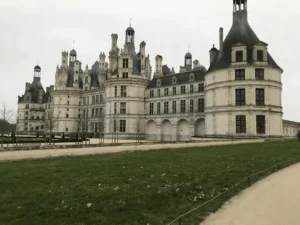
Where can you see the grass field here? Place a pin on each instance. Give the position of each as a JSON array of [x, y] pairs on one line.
[[130, 188]]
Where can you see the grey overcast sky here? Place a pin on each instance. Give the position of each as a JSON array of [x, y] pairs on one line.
[[38, 31]]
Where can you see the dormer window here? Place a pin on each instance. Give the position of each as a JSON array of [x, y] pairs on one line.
[[125, 63], [260, 55], [86, 79], [158, 83], [239, 56], [174, 80], [192, 77]]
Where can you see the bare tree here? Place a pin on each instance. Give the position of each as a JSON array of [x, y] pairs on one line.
[[84, 126], [50, 122], [138, 127], [7, 116]]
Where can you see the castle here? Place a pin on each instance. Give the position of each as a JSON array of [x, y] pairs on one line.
[[240, 94]]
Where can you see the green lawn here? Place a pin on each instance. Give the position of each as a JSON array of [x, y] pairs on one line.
[[130, 188]]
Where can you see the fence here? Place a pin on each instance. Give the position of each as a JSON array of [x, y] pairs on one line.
[[179, 219]]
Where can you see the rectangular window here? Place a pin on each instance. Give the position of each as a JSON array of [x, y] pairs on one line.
[[158, 92], [201, 105], [100, 112], [68, 102], [125, 75], [27, 106], [151, 93], [201, 87], [260, 96], [123, 91], [240, 122], [122, 126], [97, 113], [174, 107], [125, 63], [101, 99], [123, 108], [67, 129], [260, 55], [182, 106], [86, 79], [88, 100], [116, 91], [151, 108], [259, 74], [166, 107], [191, 105], [239, 56], [239, 74], [83, 112], [191, 88], [97, 99], [260, 124], [67, 115], [174, 90], [93, 113], [115, 108], [115, 126], [158, 108], [166, 91], [93, 100], [240, 97], [182, 88]]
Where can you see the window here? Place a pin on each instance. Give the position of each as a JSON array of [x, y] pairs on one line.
[[192, 77], [97, 99], [26, 113], [67, 115], [86, 79], [93, 113], [125, 75], [27, 106], [240, 97], [182, 90], [68, 102], [123, 108], [166, 107], [201, 87], [122, 126], [260, 55], [174, 90], [239, 56], [260, 124], [158, 83], [125, 63], [166, 91], [151, 108], [260, 96], [158, 92], [158, 108], [191, 88], [100, 112], [115, 108], [201, 105], [83, 113], [86, 88], [123, 91], [116, 91], [240, 123], [174, 107], [174, 80], [97, 113], [67, 129], [182, 106], [115, 126], [191, 105], [87, 100], [259, 74], [101, 99], [84, 100], [93, 100], [239, 74], [151, 93]]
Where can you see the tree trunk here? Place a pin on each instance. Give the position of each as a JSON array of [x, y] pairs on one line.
[[2, 139]]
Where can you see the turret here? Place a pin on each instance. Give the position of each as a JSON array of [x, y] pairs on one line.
[[188, 61], [129, 34], [73, 55], [37, 71], [239, 5], [143, 54], [114, 41], [213, 55], [158, 65], [102, 61]]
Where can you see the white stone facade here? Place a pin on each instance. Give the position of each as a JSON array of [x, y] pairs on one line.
[[239, 95]]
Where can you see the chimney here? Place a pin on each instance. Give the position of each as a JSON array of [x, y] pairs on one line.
[[158, 62], [221, 40]]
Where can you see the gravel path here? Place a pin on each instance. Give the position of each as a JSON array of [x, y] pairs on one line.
[[274, 200], [35, 154]]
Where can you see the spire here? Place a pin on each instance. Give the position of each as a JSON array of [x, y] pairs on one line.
[[130, 22]]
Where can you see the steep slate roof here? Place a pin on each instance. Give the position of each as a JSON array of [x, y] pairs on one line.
[[182, 78], [239, 32], [93, 73], [136, 70], [166, 70], [70, 79], [36, 86]]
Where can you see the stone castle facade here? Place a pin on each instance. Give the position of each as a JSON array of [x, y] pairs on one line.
[[239, 95]]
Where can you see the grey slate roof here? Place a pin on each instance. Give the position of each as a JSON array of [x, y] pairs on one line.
[[239, 32], [166, 70], [93, 73], [182, 78], [70, 79], [136, 59]]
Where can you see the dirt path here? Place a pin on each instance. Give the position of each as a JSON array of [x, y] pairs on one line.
[[35, 154], [273, 201]]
